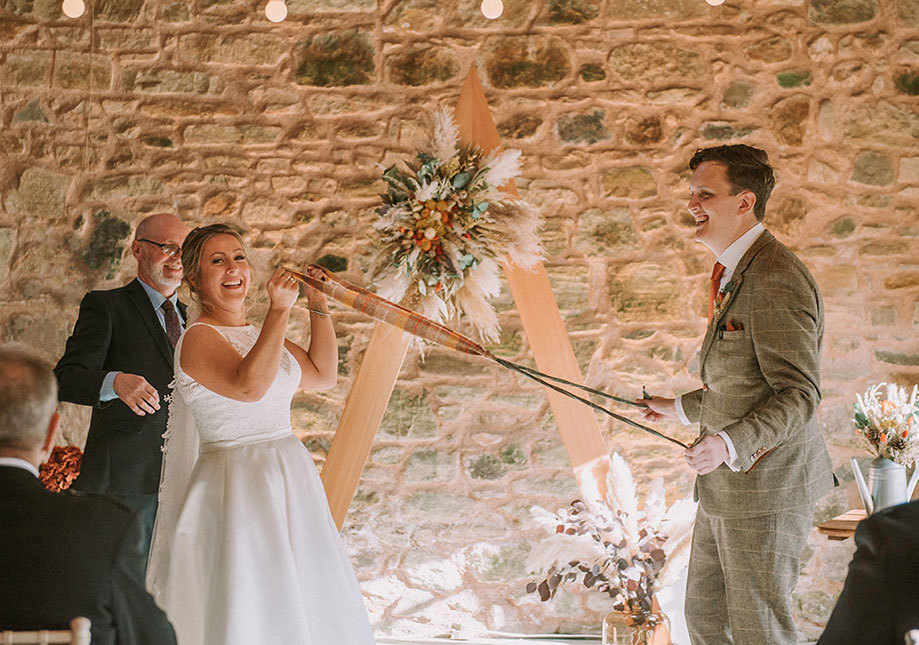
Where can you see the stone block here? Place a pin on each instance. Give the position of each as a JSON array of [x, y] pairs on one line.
[[82, 71], [672, 9], [908, 12], [212, 133], [118, 10], [254, 49], [841, 227], [907, 81], [526, 62], [591, 73], [789, 117], [882, 122], [31, 112], [36, 329], [644, 292], [872, 168], [336, 60], [31, 69], [606, 232], [7, 246], [583, 128], [770, 50], [657, 61], [428, 464], [162, 81], [408, 415], [902, 280], [634, 182], [842, 12], [41, 192], [485, 467], [127, 39], [794, 79], [737, 94], [894, 357], [125, 186], [572, 12], [519, 126], [423, 65], [320, 6], [106, 242], [909, 170], [643, 132], [724, 131]]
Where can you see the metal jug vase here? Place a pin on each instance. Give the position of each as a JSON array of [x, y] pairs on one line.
[[887, 485]]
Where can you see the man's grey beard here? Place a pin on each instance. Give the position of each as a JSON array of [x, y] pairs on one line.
[[156, 275]]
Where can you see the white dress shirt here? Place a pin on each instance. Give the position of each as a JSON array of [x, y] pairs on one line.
[[730, 258], [16, 462]]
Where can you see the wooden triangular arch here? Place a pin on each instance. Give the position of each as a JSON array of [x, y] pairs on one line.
[[542, 324]]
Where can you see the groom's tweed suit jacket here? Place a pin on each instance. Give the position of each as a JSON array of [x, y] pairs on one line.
[[761, 386]]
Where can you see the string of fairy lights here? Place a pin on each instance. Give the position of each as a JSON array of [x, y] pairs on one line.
[[276, 10]]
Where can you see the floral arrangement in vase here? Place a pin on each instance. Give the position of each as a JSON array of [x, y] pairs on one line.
[[61, 469], [615, 548], [884, 420], [445, 225]]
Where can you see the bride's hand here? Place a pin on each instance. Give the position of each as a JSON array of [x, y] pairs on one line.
[[283, 290]]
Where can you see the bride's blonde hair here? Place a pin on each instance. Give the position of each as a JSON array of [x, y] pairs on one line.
[[192, 248]]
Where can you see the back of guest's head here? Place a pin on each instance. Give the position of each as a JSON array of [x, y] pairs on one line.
[[193, 248], [747, 169], [28, 398]]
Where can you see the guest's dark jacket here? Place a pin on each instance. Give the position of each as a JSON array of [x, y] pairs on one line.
[[117, 330], [880, 600], [64, 555]]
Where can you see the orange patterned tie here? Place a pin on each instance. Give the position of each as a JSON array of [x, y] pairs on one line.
[[714, 288]]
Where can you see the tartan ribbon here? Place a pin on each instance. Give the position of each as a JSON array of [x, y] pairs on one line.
[[383, 310]]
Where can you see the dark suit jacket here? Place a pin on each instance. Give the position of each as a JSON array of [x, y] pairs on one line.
[[117, 330], [880, 600], [762, 387], [64, 555]]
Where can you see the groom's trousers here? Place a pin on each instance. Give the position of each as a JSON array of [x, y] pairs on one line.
[[741, 576]]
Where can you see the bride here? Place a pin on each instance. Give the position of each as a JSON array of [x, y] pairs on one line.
[[244, 548]]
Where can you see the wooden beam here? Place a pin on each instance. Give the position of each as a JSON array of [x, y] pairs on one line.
[[361, 417]]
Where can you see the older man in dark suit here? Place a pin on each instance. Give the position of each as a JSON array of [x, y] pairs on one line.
[[119, 361], [62, 555], [760, 458]]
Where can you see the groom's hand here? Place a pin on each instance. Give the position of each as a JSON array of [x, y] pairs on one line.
[[136, 393], [707, 454]]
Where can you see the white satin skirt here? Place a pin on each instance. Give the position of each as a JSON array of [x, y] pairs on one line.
[[256, 556]]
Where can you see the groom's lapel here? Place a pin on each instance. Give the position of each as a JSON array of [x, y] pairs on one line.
[[144, 307], [736, 281]]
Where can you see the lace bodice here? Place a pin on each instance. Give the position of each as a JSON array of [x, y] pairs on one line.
[[220, 419]]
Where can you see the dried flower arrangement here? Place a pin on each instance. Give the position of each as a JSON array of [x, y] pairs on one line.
[[61, 469], [615, 549], [885, 425], [444, 227]]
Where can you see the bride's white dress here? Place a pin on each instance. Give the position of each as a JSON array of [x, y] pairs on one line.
[[245, 550]]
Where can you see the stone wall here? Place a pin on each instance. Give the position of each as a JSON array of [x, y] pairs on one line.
[[205, 109]]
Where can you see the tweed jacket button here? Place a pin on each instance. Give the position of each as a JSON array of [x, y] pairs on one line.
[[705, 387]]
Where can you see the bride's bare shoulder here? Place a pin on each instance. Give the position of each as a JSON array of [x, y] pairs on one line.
[[203, 343]]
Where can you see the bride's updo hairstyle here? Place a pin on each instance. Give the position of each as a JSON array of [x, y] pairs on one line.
[[192, 248]]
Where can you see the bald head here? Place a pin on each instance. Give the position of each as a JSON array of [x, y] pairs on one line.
[[159, 225]]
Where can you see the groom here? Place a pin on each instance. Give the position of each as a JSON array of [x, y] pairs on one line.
[[119, 361], [760, 457]]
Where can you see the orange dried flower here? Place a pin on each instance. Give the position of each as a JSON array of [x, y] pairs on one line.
[[61, 469]]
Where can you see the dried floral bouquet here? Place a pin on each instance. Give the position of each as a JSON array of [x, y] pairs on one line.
[[615, 549], [445, 225], [885, 425]]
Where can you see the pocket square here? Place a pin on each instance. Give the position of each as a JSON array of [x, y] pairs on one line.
[[733, 326]]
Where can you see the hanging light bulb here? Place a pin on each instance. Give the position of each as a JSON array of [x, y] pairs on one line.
[[715, 3], [492, 9], [275, 10], [73, 8]]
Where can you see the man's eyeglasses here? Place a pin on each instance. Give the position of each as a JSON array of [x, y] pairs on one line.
[[169, 249]]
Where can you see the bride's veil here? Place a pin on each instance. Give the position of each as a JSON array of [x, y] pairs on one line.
[[180, 453]]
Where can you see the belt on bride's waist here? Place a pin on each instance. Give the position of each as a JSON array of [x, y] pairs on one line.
[[248, 440]]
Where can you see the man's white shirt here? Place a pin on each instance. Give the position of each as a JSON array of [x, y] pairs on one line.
[[729, 258]]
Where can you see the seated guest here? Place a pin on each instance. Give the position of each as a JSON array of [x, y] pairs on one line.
[[62, 555], [880, 600]]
